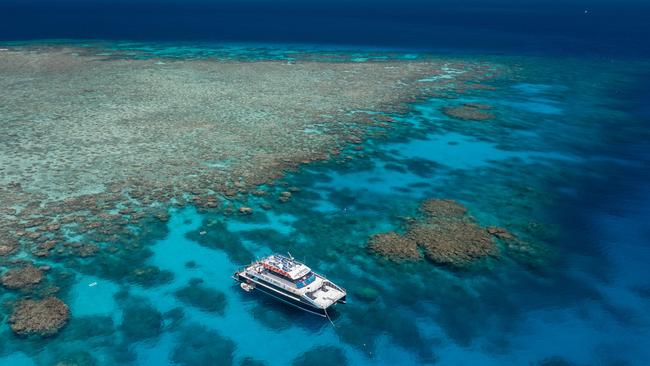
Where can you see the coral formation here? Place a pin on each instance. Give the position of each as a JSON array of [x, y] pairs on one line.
[[322, 355], [148, 276], [249, 361], [469, 112], [8, 242], [284, 196], [201, 346], [368, 294], [141, 321], [394, 246], [201, 297], [6, 248], [445, 232], [24, 276], [455, 242], [244, 210], [80, 358], [42, 317], [501, 233], [215, 234], [443, 209], [271, 316]]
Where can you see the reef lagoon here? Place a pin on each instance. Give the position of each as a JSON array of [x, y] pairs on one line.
[[480, 209]]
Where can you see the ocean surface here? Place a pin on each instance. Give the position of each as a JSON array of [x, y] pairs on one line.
[[576, 27], [565, 165]]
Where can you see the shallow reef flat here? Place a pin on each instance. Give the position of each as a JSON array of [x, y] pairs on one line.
[[75, 124]]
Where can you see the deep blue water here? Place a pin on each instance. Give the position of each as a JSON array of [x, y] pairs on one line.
[[571, 150], [595, 28]]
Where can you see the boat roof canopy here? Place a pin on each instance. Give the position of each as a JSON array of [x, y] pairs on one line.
[[285, 266]]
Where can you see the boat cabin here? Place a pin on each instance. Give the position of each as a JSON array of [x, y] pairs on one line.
[[289, 269]]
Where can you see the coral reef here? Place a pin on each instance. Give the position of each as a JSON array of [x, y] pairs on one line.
[[249, 361], [501, 233], [443, 209], [554, 361], [448, 235], [394, 246], [244, 210], [80, 358], [148, 276], [215, 234], [284, 196], [469, 112], [271, 316], [141, 321], [42, 317], [455, 242], [21, 277], [322, 355], [204, 298], [444, 231], [6, 249], [366, 293], [198, 345]]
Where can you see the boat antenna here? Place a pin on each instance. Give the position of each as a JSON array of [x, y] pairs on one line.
[[290, 256]]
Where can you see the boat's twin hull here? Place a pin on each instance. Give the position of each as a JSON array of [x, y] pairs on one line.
[[279, 294]]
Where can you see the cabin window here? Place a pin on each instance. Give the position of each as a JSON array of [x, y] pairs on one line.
[[305, 280]]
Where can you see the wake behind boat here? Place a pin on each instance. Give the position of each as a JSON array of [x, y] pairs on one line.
[[291, 282]]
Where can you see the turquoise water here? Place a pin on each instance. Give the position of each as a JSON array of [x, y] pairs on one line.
[[248, 51], [544, 169]]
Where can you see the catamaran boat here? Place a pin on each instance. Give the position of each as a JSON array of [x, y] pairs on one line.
[[292, 282]]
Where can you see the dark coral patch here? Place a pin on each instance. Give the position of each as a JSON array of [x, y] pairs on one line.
[[148, 276], [271, 317], [249, 361], [214, 234], [501, 233], [201, 297], [201, 346], [322, 355], [141, 321], [554, 361], [94, 327], [80, 358], [469, 112]]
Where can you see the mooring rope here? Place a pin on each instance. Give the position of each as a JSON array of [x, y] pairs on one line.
[[328, 318]]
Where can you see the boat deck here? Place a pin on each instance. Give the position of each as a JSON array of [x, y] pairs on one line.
[[325, 295]]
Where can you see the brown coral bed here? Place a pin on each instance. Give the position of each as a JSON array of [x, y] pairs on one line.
[[39, 317], [394, 246], [469, 112], [455, 242], [445, 233], [21, 277]]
